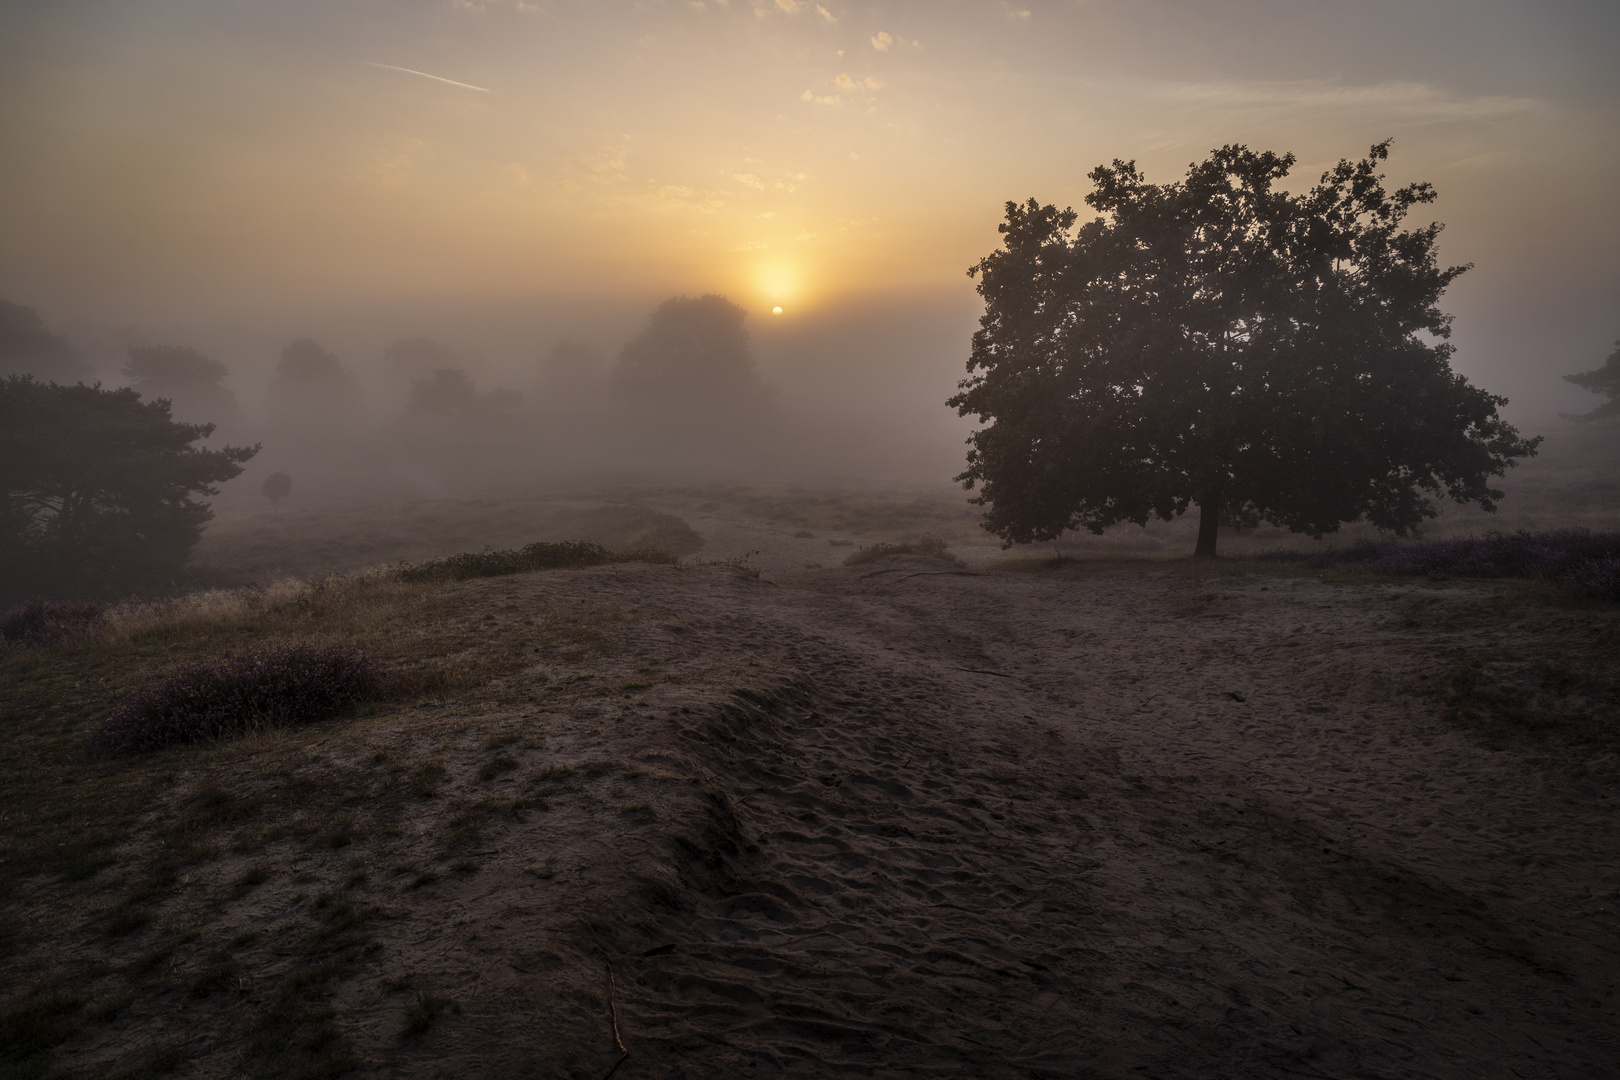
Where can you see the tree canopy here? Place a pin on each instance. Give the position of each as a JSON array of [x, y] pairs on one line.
[[693, 354], [27, 348], [1221, 342], [313, 386], [191, 382], [99, 489], [1604, 380]]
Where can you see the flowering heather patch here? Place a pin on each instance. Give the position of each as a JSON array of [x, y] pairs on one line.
[[1585, 561], [46, 622], [274, 685], [540, 556]]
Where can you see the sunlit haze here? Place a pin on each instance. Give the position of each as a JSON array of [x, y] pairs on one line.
[[505, 174]]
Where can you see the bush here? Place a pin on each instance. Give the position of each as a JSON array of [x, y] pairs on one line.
[[271, 686], [541, 556], [929, 547], [1584, 561], [47, 622]]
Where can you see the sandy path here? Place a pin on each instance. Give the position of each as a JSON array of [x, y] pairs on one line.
[[1001, 825]]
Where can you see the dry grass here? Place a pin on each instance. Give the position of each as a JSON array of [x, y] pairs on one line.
[[193, 871]]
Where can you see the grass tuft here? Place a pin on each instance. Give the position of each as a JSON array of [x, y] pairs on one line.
[[570, 554], [424, 1011]]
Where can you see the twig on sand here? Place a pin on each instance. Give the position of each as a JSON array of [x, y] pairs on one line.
[[981, 671], [613, 1011]]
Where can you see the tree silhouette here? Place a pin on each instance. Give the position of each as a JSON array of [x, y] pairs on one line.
[[1216, 341], [277, 486], [27, 348], [99, 489], [312, 385], [450, 392], [693, 353], [419, 354], [1604, 380], [190, 381]]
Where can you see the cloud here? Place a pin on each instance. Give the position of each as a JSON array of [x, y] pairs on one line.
[[748, 179], [883, 42], [844, 82], [1401, 100], [751, 245], [1493, 160], [826, 15], [679, 197], [790, 6], [425, 75], [819, 99]]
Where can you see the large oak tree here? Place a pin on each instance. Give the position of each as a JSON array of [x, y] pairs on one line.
[[1221, 342]]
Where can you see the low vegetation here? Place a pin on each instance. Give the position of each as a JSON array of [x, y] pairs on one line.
[[567, 555], [929, 547], [1585, 562], [238, 866], [269, 686]]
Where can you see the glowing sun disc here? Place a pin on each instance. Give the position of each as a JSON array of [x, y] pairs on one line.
[[777, 310]]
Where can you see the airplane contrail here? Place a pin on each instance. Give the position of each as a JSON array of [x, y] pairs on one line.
[[425, 75]]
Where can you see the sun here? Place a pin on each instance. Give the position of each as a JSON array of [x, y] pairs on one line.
[[777, 310]]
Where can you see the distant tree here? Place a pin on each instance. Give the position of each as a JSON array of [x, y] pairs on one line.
[[27, 348], [190, 381], [692, 353], [277, 486], [420, 354], [313, 385], [1267, 356], [447, 392], [572, 372], [99, 489], [1604, 380], [450, 392]]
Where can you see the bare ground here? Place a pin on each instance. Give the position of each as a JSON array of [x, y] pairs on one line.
[[908, 820]]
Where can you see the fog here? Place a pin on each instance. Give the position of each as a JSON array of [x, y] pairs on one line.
[[503, 179], [475, 399]]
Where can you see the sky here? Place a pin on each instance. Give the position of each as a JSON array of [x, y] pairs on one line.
[[506, 169]]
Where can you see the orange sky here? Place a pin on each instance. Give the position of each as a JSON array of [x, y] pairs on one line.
[[173, 160]]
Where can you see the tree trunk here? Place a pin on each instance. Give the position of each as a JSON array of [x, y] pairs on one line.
[[1209, 519]]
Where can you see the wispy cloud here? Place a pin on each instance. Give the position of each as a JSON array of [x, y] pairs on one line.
[[1405, 100], [425, 75]]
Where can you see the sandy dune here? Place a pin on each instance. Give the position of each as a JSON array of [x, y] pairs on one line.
[[921, 823]]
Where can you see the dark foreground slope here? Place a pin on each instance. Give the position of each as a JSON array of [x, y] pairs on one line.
[[894, 821]]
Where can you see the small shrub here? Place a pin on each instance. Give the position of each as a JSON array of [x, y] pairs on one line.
[[929, 547], [539, 556], [42, 623], [265, 687]]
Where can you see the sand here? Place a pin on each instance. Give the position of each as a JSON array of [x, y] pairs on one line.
[[919, 819], [906, 820]]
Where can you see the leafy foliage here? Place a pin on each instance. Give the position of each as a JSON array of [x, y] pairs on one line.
[[1604, 380], [273, 685], [540, 556], [1218, 341], [99, 489]]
